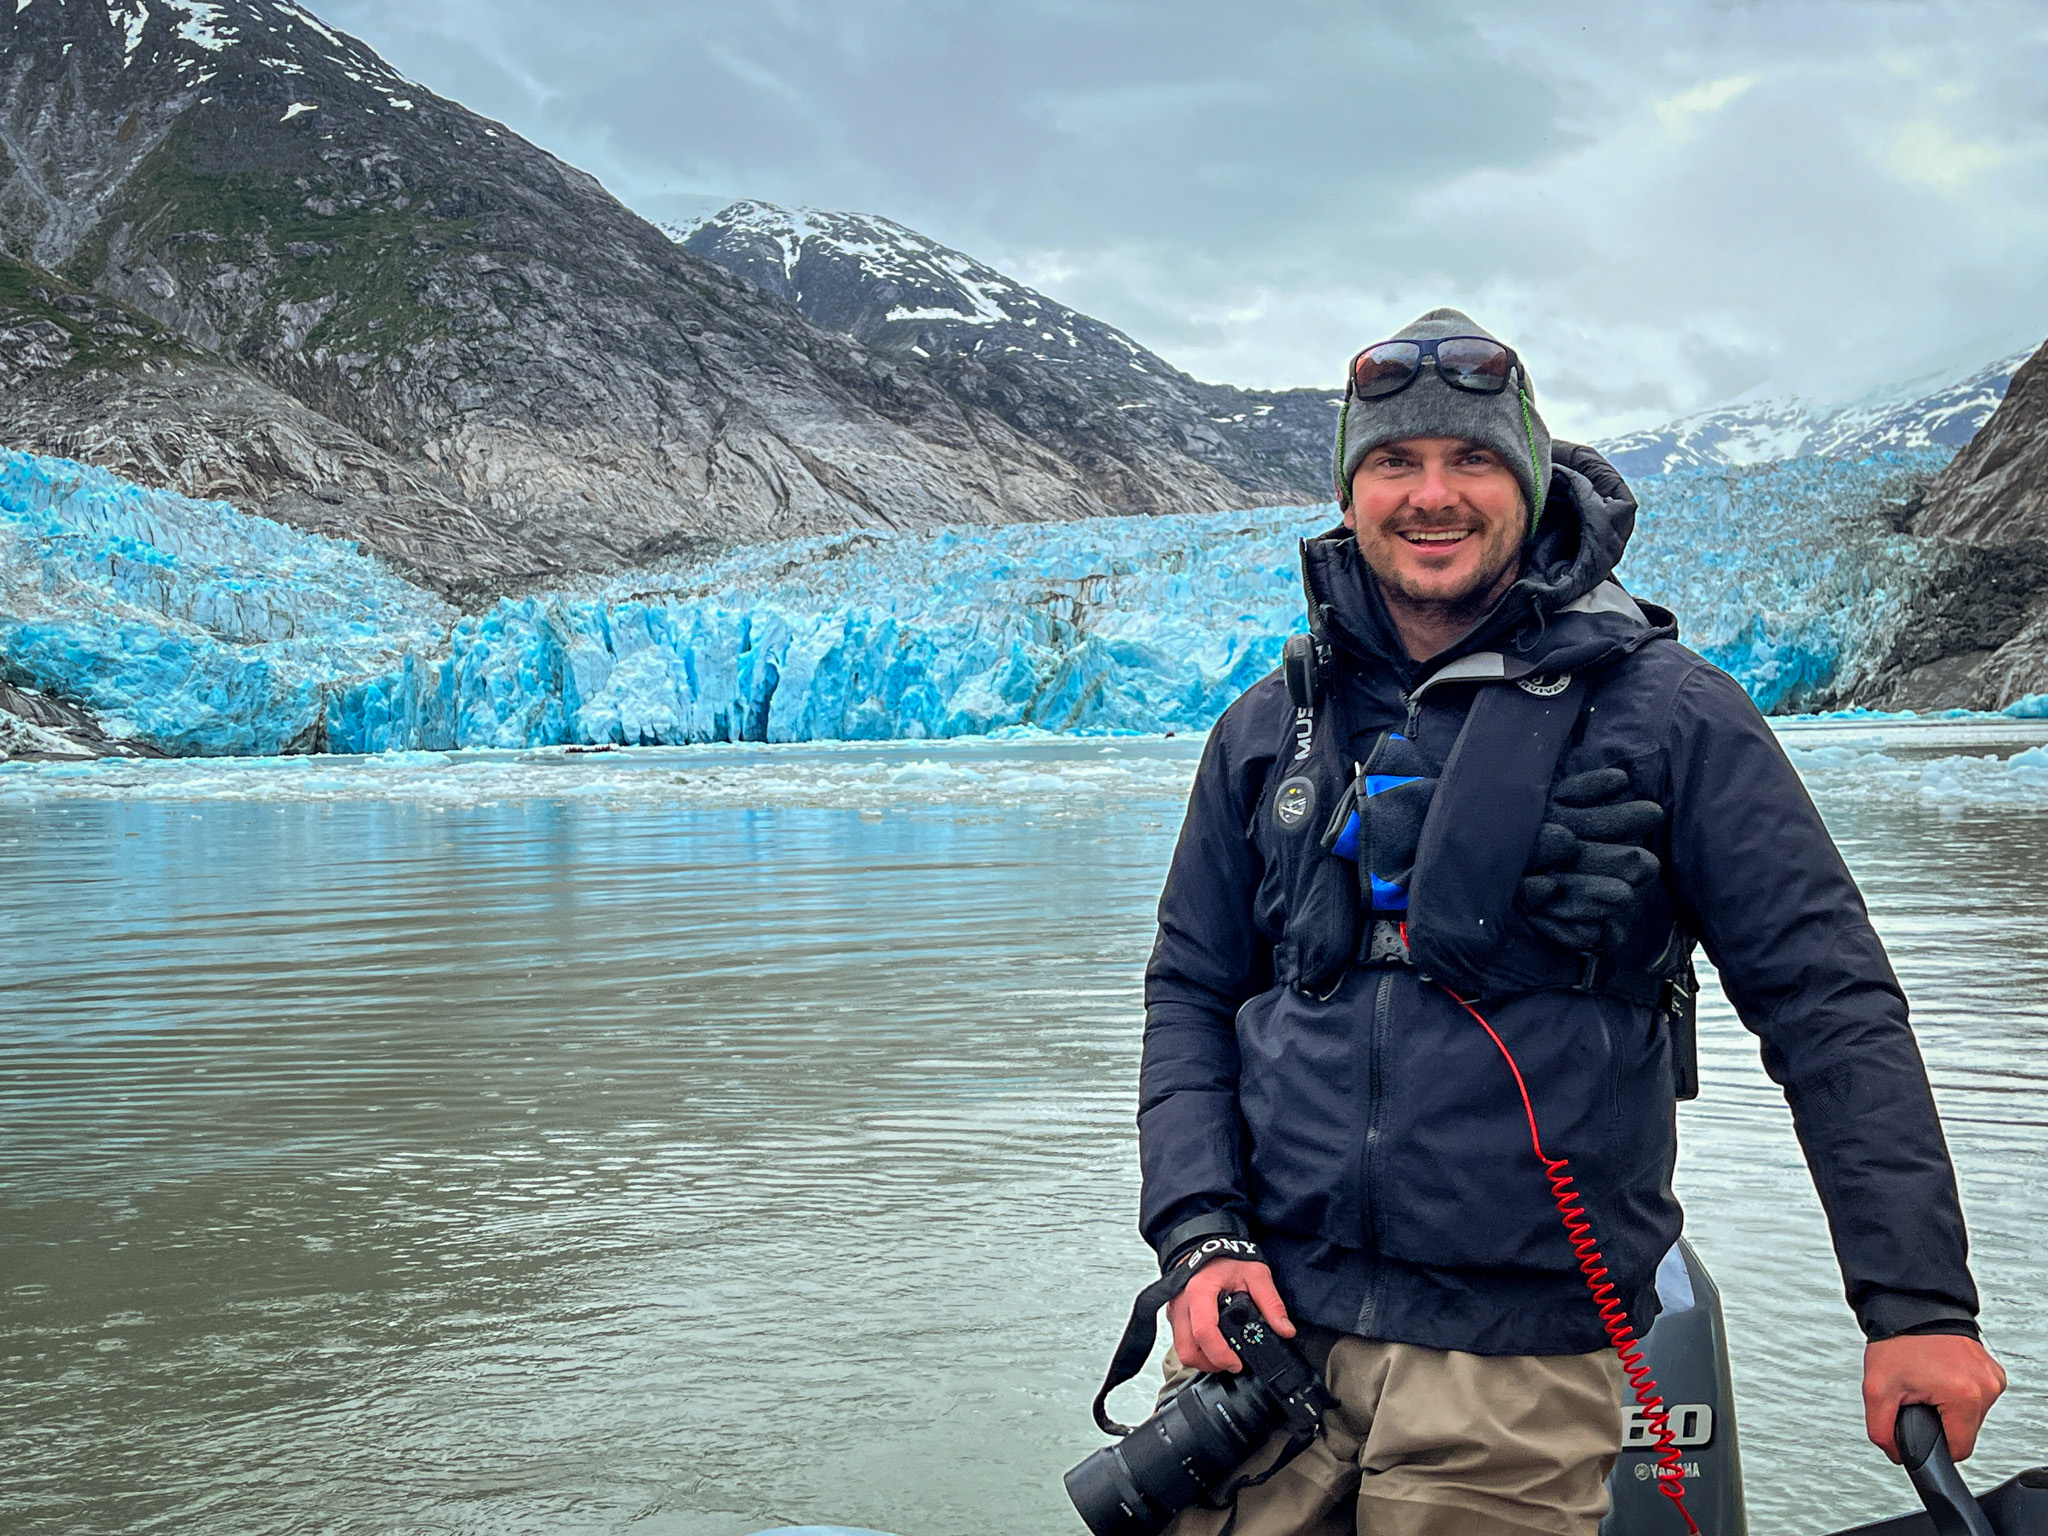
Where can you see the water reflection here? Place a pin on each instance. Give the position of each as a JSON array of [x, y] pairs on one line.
[[538, 1167]]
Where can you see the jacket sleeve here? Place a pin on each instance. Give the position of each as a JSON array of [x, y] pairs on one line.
[[1207, 960], [1760, 881]]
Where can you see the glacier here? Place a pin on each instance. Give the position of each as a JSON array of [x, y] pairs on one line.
[[188, 624], [209, 632], [1793, 577]]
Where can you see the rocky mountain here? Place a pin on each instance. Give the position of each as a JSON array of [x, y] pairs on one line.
[[1928, 413], [1014, 349], [245, 258], [1979, 635]]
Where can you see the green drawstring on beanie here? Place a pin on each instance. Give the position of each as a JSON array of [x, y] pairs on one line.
[[1343, 485], [1535, 464]]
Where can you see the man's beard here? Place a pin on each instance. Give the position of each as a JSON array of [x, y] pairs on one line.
[[1474, 602]]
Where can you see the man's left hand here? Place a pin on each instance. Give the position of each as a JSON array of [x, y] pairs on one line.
[[1954, 1375]]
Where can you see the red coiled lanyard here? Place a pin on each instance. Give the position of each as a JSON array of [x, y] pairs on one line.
[[1613, 1317]]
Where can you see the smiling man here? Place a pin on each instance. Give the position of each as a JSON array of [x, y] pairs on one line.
[[1491, 778]]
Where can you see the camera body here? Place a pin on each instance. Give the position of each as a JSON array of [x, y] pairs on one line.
[[1188, 1449]]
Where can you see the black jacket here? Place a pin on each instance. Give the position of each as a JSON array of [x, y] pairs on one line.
[[1363, 1127]]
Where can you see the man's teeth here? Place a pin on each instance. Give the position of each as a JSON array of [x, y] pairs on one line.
[[1450, 536]]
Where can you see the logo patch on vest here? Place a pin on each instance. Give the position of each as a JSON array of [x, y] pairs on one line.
[[1295, 802], [1545, 687]]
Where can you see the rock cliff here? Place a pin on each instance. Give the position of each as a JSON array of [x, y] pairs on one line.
[[1979, 635], [361, 308]]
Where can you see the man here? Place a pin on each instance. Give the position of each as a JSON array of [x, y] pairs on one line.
[[1495, 780]]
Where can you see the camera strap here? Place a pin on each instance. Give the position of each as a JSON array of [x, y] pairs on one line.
[[1226, 1496], [1142, 1331]]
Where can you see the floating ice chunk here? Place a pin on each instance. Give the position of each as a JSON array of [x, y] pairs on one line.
[[1804, 758], [970, 776]]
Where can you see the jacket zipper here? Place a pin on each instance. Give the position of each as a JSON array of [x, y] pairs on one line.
[[1369, 1159]]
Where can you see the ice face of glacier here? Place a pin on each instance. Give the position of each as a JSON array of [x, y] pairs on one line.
[[1791, 577], [209, 632], [187, 623], [1129, 624]]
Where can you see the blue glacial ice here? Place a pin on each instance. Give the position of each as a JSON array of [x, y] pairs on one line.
[[1780, 574], [1118, 625], [187, 623], [209, 632]]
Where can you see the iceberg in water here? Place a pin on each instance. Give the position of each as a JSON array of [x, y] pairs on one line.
[[207, 631]]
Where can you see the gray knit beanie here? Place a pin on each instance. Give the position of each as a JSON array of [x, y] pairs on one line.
[[1507, 422]]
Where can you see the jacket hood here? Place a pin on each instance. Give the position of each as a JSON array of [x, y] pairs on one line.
[[1589, 515]]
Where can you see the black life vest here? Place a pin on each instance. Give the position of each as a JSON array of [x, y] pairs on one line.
[[1519, 719]]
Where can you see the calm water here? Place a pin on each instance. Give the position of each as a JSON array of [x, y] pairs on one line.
[[708, 1142]]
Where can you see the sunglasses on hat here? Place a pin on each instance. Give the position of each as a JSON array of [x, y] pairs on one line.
[[1477, 364]]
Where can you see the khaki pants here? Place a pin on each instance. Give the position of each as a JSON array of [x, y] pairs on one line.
[[1426, 1442]]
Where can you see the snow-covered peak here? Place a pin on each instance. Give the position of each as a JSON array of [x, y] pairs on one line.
[[1931, 412], [862, 273], [197, 37]]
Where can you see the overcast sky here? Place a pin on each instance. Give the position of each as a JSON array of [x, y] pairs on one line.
[[1663, 206]]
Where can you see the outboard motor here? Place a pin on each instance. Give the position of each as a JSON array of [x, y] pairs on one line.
[[1687, 1351]]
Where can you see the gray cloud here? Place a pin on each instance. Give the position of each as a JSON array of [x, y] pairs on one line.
[[1664, 206]]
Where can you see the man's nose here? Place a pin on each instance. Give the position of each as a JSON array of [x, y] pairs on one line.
[[1433, 491]]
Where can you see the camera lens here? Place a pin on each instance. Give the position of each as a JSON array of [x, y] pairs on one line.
[[1181, 1454]]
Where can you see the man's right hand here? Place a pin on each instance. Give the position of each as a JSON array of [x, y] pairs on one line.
[[1196, 1338]]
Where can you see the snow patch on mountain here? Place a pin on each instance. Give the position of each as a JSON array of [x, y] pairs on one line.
[[203, 24], [285, 31]]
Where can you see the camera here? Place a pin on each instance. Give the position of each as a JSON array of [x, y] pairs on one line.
[[1187, 1450]]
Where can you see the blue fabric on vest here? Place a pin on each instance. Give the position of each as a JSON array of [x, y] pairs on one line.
[[1387, 895], [1363, 1126], [1346, 845]]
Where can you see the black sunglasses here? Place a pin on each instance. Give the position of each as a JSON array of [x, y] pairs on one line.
[[1478, 364]]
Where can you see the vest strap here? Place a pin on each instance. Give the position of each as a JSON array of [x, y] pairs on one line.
[[1482, 826]]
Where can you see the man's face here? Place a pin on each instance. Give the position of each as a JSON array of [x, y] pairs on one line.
[[1438, 519]]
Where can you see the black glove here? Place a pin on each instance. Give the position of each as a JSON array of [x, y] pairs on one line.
[[1393, 815], [1590, 868]]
